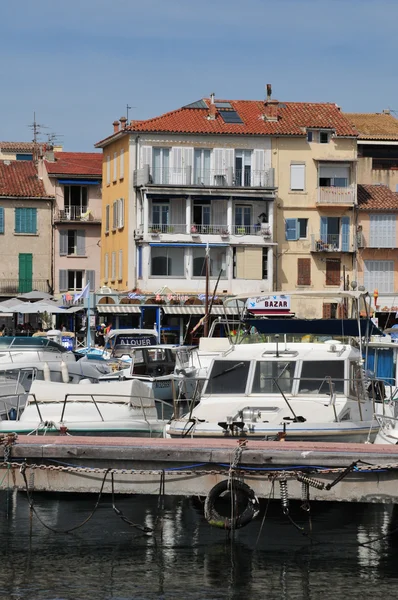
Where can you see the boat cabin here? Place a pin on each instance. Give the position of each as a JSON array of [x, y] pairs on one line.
[[122, 341]]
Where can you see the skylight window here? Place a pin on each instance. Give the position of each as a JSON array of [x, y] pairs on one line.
[[230, 116]]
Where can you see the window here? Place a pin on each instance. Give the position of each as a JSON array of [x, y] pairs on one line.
[[272, 377], [201, 216], [297, 177], [217, 262], [107, 218], [113, 266], [329, 310], [120, 272], [333, 266], [75, 201], [265, 263], [335, 234], [106, 267], [121, 168], [1, 219], [379, 275], [108, 170], [296, 229], [114, 166], [243, 161], [26, 220], [75, 280], [167, 262], [72, 242], [334, 175], [315, 376], [201, 167], [309, 136], [243, 219], [382, 231], [228, 377], [160, 216], [160, 166], [323, 137], [303, 271]]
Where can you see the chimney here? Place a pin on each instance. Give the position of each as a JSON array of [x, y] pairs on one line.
[[123, 122], [115, 126], [212, 108], [269, 91], [386, 111], [271, 106]]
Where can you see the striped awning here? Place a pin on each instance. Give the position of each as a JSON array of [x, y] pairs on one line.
[[198, 310], [118, 308]]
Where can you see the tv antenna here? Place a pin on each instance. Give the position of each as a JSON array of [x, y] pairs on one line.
[[127, 111], [36, 128]]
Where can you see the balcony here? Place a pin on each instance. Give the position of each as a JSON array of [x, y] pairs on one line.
[[224, 178], [222, 229], [12, 287], [76, 213], [332, 242], [332, 196], [167, 228]]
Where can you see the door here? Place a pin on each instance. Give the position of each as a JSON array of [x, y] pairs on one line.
[[25, 273]]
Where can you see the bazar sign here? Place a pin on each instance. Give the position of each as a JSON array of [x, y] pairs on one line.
[[277, 303]]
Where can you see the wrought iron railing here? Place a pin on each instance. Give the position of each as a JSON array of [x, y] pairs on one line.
[[76, 213], [21, 286], [222, 177]]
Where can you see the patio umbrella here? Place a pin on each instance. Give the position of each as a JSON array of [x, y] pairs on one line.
[[35, 295]]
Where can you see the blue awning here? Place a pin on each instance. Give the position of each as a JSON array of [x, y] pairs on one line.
[[79, 181], [171, 245]]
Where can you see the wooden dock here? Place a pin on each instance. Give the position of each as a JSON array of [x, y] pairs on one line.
[[191, 467]]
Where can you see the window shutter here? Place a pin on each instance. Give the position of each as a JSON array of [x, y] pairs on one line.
[[120, 275], [120, 212], [1, 219], [63, 280], [229, 155], [258, 173], [80, 242], [108, 170], [324, 229], [291, 229], [106, 267], [90, 277], [297, 177], [114, 219], [63, 242], [139, 262], [19, 219], [107, 218], [345, 234], [327, 311], [146, 156], [187, 165], [113, 267], [176, 165], [33, 220], [382, 231], [333, 272], [218, 161], [303, 271], [121, 167], [114, 166]]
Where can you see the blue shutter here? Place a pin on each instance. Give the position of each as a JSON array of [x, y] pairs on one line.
[[345, 234], [26, 220], [139, 262], [324, 230], [33, 220], [291, 228], [18, 220], [1, 219]]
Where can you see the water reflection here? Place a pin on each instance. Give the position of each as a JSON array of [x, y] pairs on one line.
[[186, 558]]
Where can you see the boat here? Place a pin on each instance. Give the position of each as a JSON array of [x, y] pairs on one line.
[[292, 391], [120, 408], [19, 349]]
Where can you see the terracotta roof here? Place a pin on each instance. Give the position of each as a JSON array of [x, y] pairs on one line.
[[293, 119], [75, 163], [18, 178], [374, 126], [377, 197], [16, 146]]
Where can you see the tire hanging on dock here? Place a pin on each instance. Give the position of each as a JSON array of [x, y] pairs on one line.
[[240, 519]]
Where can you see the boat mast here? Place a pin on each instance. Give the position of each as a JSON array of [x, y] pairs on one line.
[[206, 323]]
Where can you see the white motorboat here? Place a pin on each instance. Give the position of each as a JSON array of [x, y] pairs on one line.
[[301, 391], [122, 408]]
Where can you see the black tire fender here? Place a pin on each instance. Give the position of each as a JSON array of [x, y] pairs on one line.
[[249, 513]]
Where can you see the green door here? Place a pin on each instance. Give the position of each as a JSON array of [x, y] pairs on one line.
[[25, 273]]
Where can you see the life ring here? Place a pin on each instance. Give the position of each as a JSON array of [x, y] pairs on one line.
[[250, 511]]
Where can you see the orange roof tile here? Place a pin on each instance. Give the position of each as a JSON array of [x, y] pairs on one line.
[[17, 146], [374, 126], [75, 163], [19, 178], [377, 197], [293, 119]]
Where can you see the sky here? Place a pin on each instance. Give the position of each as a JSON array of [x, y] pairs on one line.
[[76, 64]]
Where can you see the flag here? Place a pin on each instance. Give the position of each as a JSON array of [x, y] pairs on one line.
[[83, 294]]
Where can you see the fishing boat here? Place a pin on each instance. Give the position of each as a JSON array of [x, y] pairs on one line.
[[121, 408]]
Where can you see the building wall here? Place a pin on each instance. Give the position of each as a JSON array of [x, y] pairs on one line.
[[368, 175]]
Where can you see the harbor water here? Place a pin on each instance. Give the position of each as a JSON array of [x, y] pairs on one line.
[[329, 552]]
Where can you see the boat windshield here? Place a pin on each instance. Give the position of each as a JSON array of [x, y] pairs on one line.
[[272, 377], [228, 377], [315, 376]]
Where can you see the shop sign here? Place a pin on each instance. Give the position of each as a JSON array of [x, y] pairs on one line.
[[276, 304]]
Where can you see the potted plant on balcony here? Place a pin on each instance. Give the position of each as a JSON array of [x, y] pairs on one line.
[[224, 233]]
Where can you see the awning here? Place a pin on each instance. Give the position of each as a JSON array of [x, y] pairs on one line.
[[118, 308], [197, 310], [79, 181]]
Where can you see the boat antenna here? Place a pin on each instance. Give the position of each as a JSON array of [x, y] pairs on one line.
[[277, 347]]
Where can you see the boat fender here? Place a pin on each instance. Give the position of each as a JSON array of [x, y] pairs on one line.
[[242, 518]]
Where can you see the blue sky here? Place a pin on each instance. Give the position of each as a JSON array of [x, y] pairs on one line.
[[78, 63]]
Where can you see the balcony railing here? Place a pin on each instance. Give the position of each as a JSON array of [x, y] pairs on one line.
[[336, 195], [255, 229], [187, 176], [167, 228], [21, 286], [332, 242], [210, 229], [76, 213]]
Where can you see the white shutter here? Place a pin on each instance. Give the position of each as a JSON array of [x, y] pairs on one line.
[[219, 213], [176, 166], [146, 156], [229, 158], [107, 207], [120, 275], [113, 267], [121, 168], [335, 170], [114, 166], [382, 231], [218, 157], [106, 267], [120, 213], [297, 177], [114, 219], [379, 275], [187, 166], [177, 213], [108, 170], [267, 154], [258, 174]]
